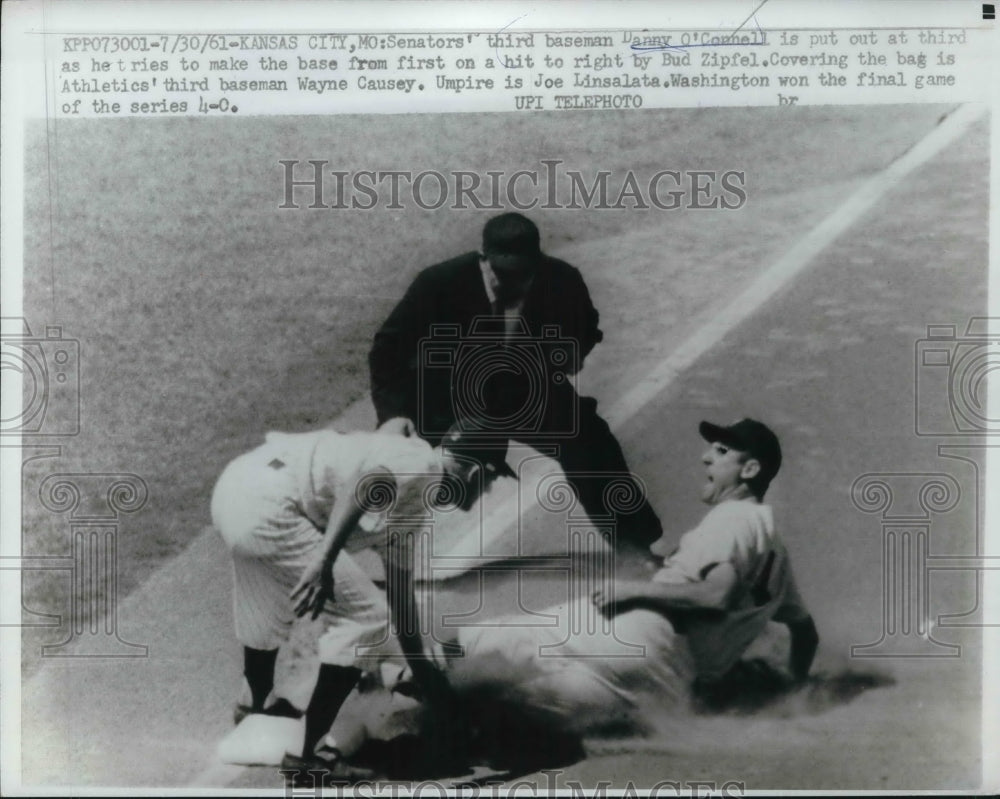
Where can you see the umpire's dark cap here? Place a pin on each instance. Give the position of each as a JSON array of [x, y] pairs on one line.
[[511, 237], [750, 436]]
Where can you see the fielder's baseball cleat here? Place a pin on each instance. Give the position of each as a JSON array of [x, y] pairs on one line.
[[280, 707]]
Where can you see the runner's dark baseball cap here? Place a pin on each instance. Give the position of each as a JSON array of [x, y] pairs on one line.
[[748, 435]]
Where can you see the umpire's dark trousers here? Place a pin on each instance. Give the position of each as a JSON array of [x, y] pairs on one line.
[[593, 461]]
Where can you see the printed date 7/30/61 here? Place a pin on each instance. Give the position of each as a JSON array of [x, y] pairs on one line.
[[178, 43]]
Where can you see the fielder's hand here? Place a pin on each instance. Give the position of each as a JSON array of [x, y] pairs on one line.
[[399, 425], [315, 587]]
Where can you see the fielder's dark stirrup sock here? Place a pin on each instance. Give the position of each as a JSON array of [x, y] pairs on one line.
[[258, 668], [333, 685]]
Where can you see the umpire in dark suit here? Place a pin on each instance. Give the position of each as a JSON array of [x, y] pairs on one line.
[[496, 337]]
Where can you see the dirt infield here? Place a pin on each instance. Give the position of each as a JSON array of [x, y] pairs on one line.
[[222, 317]]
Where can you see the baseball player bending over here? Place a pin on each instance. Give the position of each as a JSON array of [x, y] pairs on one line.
[[289, 512]]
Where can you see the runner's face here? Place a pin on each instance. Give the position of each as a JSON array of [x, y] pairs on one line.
[[725, 471]]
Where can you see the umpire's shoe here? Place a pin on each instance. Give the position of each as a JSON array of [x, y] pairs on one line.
[[325, 770]]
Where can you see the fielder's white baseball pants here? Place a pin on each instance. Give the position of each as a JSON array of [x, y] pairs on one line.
[[271, 543]]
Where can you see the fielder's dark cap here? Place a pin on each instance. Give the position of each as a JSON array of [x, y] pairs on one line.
[[511, 237], [472, 438], [751, 436]]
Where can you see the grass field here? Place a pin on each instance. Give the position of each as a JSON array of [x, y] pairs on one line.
[[206, 316]]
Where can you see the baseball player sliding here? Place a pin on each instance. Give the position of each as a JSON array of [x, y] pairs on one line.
[[694, 619], [290, 513], [730, 575]]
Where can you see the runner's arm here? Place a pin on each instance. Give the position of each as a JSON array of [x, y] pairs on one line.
[[714, 592]]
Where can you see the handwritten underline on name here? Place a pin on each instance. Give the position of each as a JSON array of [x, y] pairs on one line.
[[721, 43], [654, 47]]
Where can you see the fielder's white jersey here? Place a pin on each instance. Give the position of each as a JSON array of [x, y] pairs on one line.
[[326, 463], [741, 533]]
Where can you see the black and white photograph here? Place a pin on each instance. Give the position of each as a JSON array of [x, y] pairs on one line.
[[606, 445]]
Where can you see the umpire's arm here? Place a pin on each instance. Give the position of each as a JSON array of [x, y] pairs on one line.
[[583, 324], [393, 359]]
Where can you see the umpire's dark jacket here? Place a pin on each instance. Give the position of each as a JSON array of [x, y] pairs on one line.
[[453, 293]]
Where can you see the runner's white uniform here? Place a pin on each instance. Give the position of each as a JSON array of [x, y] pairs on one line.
[[579, 687], [741, 533], [582, 689], [271, 506]]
